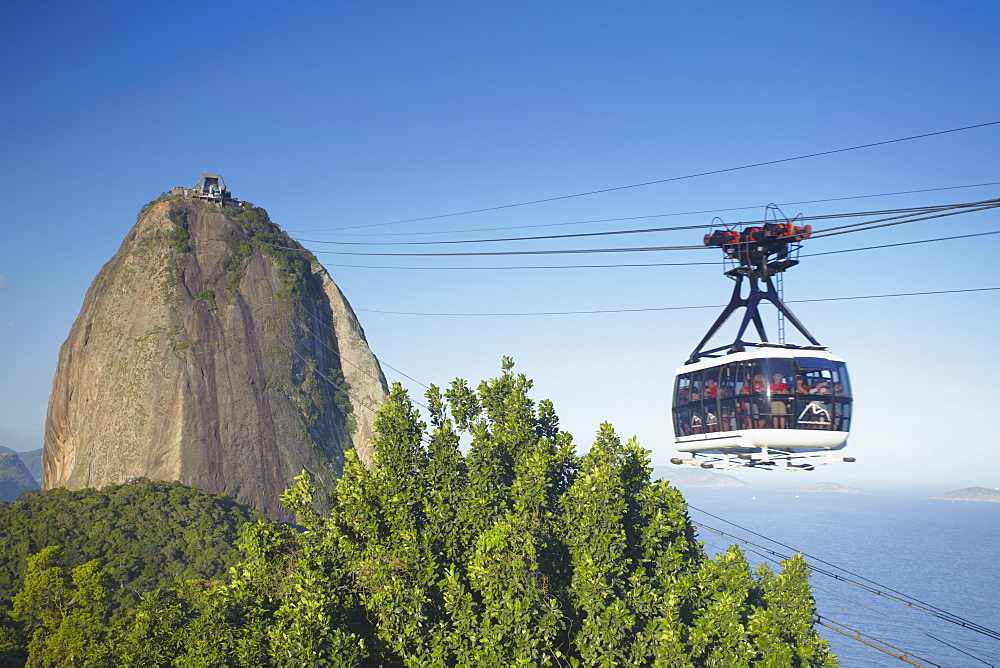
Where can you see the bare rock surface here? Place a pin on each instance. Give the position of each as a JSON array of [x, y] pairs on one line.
[[212, 351]]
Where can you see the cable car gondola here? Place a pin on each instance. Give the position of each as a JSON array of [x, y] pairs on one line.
[[761, 404]]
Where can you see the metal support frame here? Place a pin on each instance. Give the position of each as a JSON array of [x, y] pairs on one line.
[[757, 259], [751, 303]]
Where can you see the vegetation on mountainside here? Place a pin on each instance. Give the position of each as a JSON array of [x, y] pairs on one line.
[[164, 197], [342, 398], [148, 534], [517, 551], [60, 613], [179, 237], [511, 550], [292, 261]]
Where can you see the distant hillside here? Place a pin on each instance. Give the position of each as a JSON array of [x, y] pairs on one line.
[[971, 494], [692, 477], [828, 487], [14, 477], [32, 461], [150, 533]]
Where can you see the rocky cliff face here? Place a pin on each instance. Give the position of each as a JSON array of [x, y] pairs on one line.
[[212, 351]]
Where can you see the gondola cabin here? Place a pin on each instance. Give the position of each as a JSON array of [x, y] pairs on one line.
[[784, 399], [762, 403]]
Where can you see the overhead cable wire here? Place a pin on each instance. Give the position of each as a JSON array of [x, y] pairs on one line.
[[776, 558], [678, 308], [655, 215], [911, 215], [866, 583], [875, 643], [950, 210], [902, 243], [648, 230], [560, 266], [913, 210], [826, 233], [563, 251], [651, 264], [356, 366], [483, 241], [906, 216], [337, 385], [767, 556], [676, 178], [873, 588], [407, 376], [919, 630]]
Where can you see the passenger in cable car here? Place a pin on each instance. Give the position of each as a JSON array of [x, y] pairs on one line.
[[711, 389], [822, 387], [684, 421], [712, 421], [779, 410], [728, 418], [759, 405]]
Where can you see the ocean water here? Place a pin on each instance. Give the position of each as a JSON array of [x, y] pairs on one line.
[[944, 553]]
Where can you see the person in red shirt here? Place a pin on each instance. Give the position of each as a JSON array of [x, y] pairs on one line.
[[779, 409], [711, 389]]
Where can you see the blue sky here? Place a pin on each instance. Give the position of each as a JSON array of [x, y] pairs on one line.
[[343, 114]]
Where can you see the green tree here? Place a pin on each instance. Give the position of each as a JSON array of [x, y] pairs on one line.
[[150, 533], [63, 610], [482, 538]]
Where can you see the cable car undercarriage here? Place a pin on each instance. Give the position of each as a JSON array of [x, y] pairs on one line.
[[772, 459]]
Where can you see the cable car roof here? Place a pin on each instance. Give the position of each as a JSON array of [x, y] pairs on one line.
[[765, 352]]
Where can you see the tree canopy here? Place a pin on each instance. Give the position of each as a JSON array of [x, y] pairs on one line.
[[482, 539], [146, 534]]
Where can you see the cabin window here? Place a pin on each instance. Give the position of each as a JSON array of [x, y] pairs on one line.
[[710, 399], [682, 409], [822, 394], [770, 393]]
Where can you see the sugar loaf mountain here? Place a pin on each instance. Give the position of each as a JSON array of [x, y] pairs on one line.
[[212, 349]]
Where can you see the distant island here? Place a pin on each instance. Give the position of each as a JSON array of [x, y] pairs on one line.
[[828, 487], [971, 494], [692, 477]]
